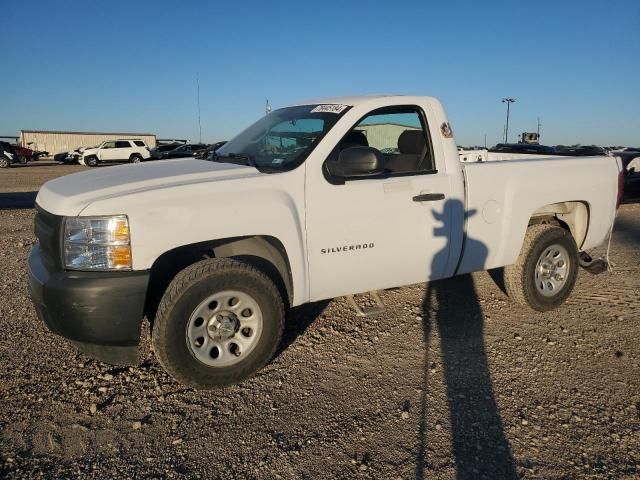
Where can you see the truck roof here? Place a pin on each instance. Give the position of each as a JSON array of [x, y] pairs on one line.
[[351, 101]]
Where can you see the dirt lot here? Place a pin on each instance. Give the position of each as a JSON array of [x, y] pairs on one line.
[[451, 382]]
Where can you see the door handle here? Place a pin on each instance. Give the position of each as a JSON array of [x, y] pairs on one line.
[[428, 197]]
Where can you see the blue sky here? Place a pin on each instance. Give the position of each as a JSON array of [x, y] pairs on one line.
[[131, 66]]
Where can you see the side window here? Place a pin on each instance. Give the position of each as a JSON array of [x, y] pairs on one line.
[[400, 134], [123, 144], [139, 143], [109, 145]]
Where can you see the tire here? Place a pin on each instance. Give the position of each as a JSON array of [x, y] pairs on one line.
[[4, 162], [182, 353], [22, 160], [529, 283], [91, 161], [135, 158]]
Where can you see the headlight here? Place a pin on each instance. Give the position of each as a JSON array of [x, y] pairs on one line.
[[97, 243]]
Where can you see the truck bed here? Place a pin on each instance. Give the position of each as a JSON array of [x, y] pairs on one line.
[[472, 156], [502, 195]]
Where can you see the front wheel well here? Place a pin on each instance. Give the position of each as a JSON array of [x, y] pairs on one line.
[[265, 253]]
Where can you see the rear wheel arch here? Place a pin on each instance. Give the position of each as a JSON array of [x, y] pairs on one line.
[[573, 216], [264, 253]]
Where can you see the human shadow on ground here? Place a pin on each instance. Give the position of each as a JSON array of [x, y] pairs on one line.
[[479, 444]]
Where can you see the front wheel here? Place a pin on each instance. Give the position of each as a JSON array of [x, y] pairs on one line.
[[219, 321], [135, 158], [4, 162], [546, 270], [91, 161], [22, 160]]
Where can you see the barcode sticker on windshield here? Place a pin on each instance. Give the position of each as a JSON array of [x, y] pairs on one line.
[[329, 109]]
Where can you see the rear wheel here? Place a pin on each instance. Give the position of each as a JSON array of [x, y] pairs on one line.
[[22, 160], [546, 270], [135, 158], [219, 321], [91, 161]]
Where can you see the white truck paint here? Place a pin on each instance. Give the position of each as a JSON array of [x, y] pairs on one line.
[[173, 203], [359, 235]]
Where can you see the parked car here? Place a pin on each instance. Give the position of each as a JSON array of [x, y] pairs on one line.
[[522, 148], [132, 151], [181, 151], [19, 154], [61, 157], [207, 153], [26, 154], [631, 161], [198, 148], [158, 150], [8, 155], [295, 209], [73, 156], [580, 151]]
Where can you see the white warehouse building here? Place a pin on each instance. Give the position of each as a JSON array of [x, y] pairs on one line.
[[58, 142]]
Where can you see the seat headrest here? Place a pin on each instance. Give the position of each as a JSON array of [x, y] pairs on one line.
[[411, 142], [354, 138]]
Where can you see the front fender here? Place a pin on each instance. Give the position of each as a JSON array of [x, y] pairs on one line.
[[163, 219]]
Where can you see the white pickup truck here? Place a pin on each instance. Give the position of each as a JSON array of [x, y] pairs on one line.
[[317, 200]]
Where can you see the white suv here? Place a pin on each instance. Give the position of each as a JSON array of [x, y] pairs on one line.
[[132, 151]]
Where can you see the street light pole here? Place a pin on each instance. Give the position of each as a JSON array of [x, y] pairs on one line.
[[508, 101], [199, 121]]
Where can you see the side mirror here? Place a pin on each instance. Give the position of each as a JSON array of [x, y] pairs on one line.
[[357, 162]]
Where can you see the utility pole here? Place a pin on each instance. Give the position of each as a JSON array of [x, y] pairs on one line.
[[508, 101], [485, 140], [199, 122], [539, 125]]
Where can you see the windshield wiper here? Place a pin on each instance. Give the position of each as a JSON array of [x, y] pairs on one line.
[[239, 156]]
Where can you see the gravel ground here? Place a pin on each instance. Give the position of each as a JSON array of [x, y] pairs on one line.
[[451, 382]]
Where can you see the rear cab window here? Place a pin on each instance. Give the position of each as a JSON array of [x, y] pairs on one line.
[[123, 144]]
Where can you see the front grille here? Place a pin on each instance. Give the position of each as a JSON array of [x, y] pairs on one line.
[[48, 230]]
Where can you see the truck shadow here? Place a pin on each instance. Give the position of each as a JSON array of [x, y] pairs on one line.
[[479, 443], [14, 200], [297, 322]]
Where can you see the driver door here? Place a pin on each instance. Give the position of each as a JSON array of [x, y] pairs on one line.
[[383, 230]]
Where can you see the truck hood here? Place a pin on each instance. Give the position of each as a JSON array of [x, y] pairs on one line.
[[71, 194]]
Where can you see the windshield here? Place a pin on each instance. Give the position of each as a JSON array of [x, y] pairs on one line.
[[283, 139]]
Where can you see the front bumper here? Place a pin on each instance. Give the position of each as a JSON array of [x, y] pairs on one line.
[[100, 312]]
